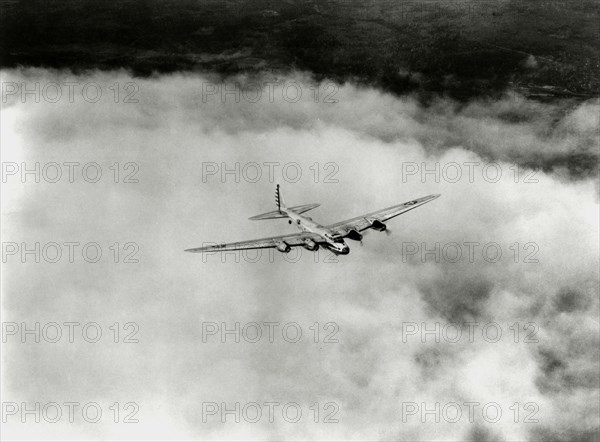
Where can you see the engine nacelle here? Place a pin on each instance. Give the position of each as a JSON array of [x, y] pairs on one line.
[[283, 247], [309, 244], [353, 235], [378, 225]]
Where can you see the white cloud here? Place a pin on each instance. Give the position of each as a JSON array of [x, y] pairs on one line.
[[370, 138]]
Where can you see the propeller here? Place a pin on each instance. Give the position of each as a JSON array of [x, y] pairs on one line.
[[388, 232]]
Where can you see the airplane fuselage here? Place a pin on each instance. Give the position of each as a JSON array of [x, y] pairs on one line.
[[335, 244]]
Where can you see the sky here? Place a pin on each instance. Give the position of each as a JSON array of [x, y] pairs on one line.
[[487, 295]]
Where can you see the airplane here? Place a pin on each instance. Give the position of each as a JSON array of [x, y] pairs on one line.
[[313, 235]]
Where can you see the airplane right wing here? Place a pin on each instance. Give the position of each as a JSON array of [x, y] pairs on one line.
[[283, 243], [365, 221]]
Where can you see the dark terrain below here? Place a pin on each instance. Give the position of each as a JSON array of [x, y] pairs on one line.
[[462, 49]]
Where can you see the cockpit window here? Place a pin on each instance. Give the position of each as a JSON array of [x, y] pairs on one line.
[[336, 239]]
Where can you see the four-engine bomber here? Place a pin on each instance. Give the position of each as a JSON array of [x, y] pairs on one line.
[[314, 235]]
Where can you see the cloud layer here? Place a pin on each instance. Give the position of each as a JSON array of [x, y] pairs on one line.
[[366, 151]]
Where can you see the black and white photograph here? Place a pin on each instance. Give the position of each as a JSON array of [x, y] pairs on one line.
[[300, 220]]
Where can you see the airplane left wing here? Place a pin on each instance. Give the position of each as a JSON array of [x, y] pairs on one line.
[[363, 222], [283, 243]]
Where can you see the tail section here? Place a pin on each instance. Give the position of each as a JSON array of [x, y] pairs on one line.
[[279, 213], [282, 208], [279, 199]]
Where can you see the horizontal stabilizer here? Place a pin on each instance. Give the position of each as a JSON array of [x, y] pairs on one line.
[[281, 214], [304, 207], [269, 215]]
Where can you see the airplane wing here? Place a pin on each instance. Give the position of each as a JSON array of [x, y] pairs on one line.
[[363, 222], [293, 240]]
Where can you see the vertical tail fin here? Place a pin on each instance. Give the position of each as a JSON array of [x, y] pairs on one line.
[[279, 199]]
